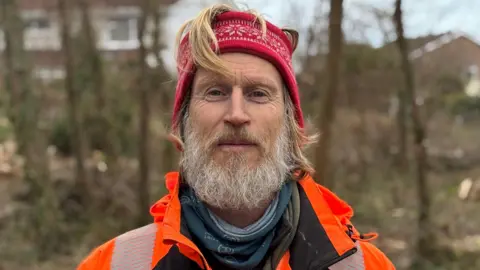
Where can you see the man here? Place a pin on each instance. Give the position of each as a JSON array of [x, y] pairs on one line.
[[244, 197]]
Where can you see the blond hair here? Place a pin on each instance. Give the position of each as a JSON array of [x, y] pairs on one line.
[[301, 140], [201, 36]]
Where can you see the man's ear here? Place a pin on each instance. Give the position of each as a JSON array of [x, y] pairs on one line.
[[177, 142], [292, 36]]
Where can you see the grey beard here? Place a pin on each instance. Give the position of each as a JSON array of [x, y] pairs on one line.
[[234, 185]]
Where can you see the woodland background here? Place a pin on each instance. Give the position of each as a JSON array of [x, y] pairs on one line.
[[85, 103]]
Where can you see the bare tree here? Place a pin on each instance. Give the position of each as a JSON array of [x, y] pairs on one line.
[[401, 102], [24, 106], [150, 79], [327, 103], [161, 82], [78, 138], [312, 57], [98, 85], [306, 79], [402, 129], [23, 111], [424, 242], [145, 115], [382, 17]]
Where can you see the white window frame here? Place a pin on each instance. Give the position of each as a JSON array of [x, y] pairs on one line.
[[131, 43], [473, 70], [41, 38], [38, 18], [49, 73], [2, 40]]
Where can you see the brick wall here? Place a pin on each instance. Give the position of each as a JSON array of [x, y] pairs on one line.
[[52, 4], [453, 58]]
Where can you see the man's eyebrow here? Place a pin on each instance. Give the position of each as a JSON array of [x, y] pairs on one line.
[[208, 80], [247, 81], [263, 81]]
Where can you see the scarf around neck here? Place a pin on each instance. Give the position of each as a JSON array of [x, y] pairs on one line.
[[238, 248]]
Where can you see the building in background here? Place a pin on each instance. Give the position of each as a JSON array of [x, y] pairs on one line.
[[452, 54], [115, 22]]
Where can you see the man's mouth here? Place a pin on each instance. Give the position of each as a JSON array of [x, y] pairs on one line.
[[235, 145]]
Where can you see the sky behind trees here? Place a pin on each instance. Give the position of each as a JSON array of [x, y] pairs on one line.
[[422, 17]]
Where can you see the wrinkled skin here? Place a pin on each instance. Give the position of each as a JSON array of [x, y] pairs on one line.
[[236, 142]]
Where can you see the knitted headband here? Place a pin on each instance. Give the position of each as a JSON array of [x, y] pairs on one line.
[[239, 32]]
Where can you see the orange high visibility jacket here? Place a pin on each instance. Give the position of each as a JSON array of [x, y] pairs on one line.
[[325, 238]]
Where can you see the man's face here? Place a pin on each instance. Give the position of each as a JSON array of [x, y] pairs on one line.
[[235, 137]]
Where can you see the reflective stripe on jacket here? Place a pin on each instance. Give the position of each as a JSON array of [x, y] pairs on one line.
[[325, 238]]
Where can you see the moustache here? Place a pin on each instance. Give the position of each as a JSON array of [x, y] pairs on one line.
[[236, 136]]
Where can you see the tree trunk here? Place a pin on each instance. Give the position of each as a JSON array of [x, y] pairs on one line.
[[24, 106], [327, 103], [425, 240], [23, 111], [75, 116], [160, 83], [144, 123], [109, 140], [308, 79], [402, 130]]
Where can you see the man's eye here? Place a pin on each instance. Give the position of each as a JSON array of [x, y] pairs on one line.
[[215, 94], [259, 96]]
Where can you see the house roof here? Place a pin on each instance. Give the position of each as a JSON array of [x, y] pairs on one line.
[[415, 43], [439, 42], [425, 44]]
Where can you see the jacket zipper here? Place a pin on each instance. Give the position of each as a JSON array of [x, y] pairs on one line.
[[334, 261]]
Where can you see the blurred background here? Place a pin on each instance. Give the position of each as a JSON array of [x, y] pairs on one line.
[[86, 91]]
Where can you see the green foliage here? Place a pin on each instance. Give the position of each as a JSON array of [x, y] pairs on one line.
[[120, 112], [463, 105], [118, 107], [362, 57], [449, 83], [5, 132], [6, 129], [60, 135], [121, 122]]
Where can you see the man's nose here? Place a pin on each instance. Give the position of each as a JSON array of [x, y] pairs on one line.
[[237, 114]]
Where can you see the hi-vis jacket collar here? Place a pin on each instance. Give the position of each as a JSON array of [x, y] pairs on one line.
[[325, 240]]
